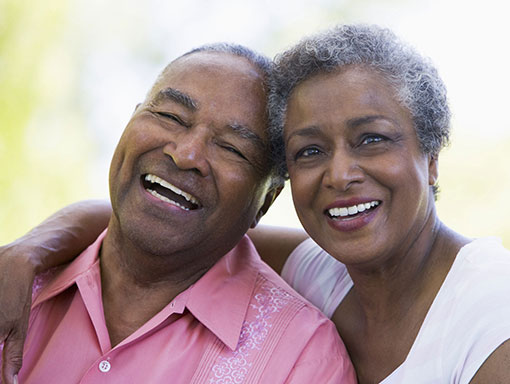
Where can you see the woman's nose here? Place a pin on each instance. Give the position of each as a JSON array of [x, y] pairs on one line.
[[342, 172]]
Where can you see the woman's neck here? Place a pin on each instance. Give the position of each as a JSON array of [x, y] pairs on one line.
[[381, 316], [410, 276]]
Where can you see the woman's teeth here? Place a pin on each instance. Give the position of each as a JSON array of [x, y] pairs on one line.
[[352, 210]]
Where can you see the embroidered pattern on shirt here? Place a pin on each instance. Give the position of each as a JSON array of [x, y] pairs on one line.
[[233, 366]]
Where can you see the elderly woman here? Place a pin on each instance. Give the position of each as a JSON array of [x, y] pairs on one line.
[[363, 118]]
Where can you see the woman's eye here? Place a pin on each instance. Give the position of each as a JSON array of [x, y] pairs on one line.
[[371, 139], [307, 152]]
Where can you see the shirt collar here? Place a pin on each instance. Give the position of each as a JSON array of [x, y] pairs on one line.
[[68, 276], [219, 299]]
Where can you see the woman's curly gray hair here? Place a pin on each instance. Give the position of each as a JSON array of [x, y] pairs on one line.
[[415, 79]]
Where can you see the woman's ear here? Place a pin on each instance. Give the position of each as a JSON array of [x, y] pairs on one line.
[[433, 170]]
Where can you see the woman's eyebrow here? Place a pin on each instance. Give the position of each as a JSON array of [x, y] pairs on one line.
[[357, 121], [305, 132]]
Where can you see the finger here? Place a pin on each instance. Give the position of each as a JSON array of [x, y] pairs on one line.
[[12, 357]]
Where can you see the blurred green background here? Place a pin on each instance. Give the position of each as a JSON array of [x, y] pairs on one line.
[[71, 72]]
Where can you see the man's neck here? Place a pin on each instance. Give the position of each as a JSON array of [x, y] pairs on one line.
[[137, 285]]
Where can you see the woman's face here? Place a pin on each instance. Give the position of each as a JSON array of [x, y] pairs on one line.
[[360, 183]]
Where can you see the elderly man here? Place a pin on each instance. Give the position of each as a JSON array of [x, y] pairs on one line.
[[173, 291]]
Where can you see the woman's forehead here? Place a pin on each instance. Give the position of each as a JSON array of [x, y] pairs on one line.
[[349, 87]]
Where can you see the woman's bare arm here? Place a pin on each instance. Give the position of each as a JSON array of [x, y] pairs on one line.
[[57, 240], [496, 369], [275, 244]]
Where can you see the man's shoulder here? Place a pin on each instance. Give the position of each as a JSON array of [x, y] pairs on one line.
[[272, 291], [273, 298], [267, 277], [283, 336], [50, 283]]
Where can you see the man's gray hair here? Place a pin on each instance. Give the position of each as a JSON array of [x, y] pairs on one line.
[[415, 79], [262, 62]]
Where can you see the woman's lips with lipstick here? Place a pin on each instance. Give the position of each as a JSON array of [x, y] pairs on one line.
[[352, 215]]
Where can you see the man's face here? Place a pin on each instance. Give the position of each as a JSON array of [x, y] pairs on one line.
[[190, 172]]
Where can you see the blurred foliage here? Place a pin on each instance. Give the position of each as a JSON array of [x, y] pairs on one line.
[[31, 82], [474, 179]]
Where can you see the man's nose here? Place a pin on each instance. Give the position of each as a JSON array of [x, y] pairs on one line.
[[188, 150], [343, 171]]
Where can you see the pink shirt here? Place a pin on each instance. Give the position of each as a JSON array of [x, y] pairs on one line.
[[240, 323]]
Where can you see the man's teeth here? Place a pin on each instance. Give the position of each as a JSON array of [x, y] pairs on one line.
[[166, 199], [352, 210], [173, 188]]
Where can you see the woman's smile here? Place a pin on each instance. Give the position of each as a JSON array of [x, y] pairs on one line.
[[350, 217]]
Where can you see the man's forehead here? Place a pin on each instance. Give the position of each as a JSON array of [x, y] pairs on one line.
[[221, 63], [213, 77], [218, 86]]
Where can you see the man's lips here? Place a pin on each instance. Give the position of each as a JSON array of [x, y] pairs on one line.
[[169, 193]]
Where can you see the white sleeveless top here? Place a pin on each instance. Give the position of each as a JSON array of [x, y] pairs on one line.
[[467, 321]]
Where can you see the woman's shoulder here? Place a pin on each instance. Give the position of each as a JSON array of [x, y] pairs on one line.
[[317, 276], [485, 249], [309, 259], [485, 260], [469, 318], [480, 275], [475, 315]]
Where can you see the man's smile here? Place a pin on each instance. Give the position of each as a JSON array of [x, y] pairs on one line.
[[169, 193]]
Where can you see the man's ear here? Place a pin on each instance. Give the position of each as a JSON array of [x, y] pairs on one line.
[[433, 169], [136, 108], [271, 196]]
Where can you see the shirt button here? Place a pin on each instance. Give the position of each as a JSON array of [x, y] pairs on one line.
[[172, 304], [104, 366]]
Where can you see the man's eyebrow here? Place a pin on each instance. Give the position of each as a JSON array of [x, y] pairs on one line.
[[246, 133], [177, 97]]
